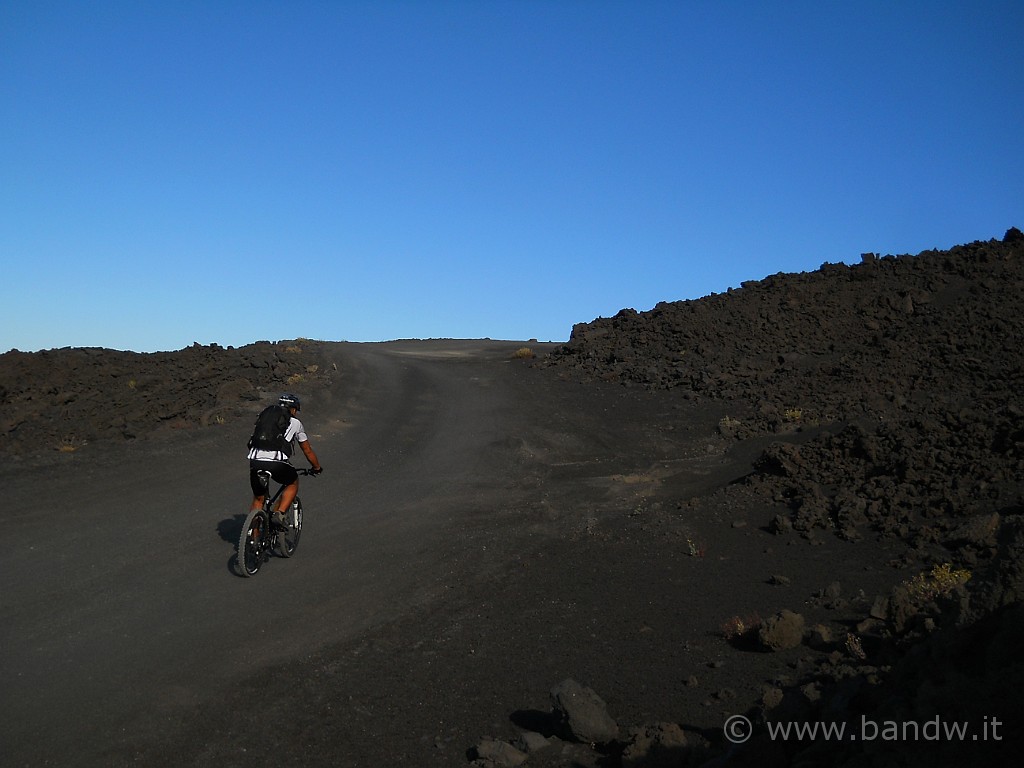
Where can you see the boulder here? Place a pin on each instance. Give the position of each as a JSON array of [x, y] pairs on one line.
[[783, 630], [583, 714], [499, 754]]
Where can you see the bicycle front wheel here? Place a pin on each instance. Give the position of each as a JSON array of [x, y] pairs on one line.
[[252, 544], [288, 539]]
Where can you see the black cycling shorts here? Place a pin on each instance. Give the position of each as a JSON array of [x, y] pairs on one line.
[[281, 471]]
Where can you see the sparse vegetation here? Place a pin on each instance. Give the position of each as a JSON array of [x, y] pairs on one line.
[[735, 627], [727, 426], [69, 444], [696, 548], [854, 647], [523, 353], [296, 345], [940, 581]]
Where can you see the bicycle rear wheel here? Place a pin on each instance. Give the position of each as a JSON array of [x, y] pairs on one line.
[[288, 539], [252, 544]]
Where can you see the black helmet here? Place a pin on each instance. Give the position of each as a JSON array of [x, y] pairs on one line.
[[289, 401]]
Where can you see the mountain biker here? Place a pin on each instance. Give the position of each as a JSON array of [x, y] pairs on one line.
[[278, 465]]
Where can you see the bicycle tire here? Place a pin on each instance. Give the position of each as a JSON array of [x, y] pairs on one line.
[[288, 539], [252, 543]]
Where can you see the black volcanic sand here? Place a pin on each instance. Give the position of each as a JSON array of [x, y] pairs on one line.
[[799, 501]]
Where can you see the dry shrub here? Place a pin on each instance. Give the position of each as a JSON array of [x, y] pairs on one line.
[[735, 627], [942, 580]]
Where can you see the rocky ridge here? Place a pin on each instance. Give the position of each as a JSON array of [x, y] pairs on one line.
[[908, 371], [64, 399], [904, 375]]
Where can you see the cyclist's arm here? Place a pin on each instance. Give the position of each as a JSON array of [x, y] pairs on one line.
[[307, 449]]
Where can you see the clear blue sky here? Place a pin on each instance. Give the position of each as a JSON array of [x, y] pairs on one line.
[[214, 171]]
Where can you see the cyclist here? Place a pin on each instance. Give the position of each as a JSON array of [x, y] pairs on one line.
[[277, 463]]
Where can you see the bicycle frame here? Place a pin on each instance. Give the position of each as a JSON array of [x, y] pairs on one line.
[[268, 500]]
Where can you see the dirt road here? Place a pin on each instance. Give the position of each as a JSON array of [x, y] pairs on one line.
[[122, 611]]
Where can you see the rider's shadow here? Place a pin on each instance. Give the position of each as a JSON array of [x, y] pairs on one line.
[[231, 528]]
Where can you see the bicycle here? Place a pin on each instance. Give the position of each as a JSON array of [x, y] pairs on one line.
[[260, 536]]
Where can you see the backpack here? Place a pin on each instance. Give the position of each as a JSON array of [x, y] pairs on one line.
[[268, 433]]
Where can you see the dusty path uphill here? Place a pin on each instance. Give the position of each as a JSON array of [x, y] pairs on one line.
[[124, 613]]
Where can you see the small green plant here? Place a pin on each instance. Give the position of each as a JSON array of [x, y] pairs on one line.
[[132, 383], [523, 353], [696, 548], [295, 378], [793, 414]]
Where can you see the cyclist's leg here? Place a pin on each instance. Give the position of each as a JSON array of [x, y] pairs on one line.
[[258, 488], [285, 474], [287, 496]]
